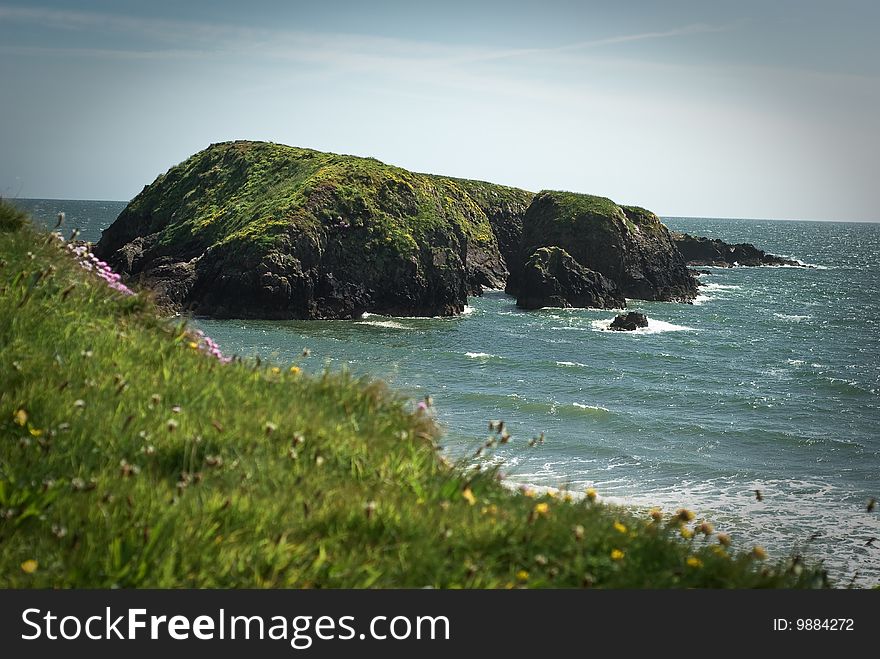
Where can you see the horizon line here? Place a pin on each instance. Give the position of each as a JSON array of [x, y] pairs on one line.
[[660, 215]]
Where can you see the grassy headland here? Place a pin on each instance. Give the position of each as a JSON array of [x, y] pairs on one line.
[[129, 457], [258, 229]]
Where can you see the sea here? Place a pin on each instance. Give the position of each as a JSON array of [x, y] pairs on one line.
[[758, 406]]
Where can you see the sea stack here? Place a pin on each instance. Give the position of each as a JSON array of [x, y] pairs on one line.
[[627, 245], [628, 322], [552, 278]]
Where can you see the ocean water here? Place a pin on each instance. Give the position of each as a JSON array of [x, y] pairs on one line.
[[770, 382]]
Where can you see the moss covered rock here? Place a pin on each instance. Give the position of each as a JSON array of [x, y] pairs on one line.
[[552, 278], [627, 244], [256, 229]]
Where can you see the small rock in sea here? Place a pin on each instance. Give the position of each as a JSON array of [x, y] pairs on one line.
[[629, 322]]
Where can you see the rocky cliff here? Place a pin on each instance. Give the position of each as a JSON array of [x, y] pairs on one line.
[[697, 250], [256, 229], [552, 278], [626, 244], [262, 230]]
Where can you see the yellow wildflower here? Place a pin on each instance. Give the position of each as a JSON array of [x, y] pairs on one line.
[[567, 498], [759, 552], [685, 515], [522, 575], [686, 533], [706, 528], [693, 561], [656, 514], [617, 555], [723, 539], [193, 345], [296, 370], [578, 532], [619, 527], [29, 566], [35, 432], [591, 494], [469, 496], [528, 492], [20, 417], [542, 508], [275, 370], [551, 494]]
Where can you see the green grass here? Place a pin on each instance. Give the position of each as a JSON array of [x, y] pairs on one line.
[[252, 193], [128, 458]]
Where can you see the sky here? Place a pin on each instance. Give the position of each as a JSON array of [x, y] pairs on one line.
[[706, 109]]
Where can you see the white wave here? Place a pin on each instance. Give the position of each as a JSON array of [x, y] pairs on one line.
[[794, 362], [711, 286], [702, 299], [480, 355], [792, 317], [659, 326], [815, 517], [570, 364], [464, 312], [383, 323], [654, 327], [800, 263], [596, 408]]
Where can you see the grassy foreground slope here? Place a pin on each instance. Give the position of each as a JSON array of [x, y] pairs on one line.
[[129, 458]]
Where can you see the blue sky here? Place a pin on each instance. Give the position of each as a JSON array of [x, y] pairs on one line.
[[747, 109]]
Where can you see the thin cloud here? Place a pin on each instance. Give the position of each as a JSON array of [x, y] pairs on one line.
[[685, 31], [361, 51]]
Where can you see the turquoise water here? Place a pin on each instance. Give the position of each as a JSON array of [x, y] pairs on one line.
[[771, 382]]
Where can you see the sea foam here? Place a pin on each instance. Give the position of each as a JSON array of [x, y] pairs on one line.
[[383, 323], [654, 327]]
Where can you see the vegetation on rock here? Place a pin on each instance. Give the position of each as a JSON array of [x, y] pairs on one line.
[[627, 244], [267, 230]]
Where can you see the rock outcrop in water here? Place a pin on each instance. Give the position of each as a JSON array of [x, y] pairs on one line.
[[697, 250], [552, 278], [626, 244], [628, 322], [262, 230], [255, 229]]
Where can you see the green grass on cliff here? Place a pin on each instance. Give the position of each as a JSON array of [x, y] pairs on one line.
[[572, 208], [128, 458], [252, 193]]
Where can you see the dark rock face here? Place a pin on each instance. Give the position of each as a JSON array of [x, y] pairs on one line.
[[628, 322], [261, 230], [504, 208], [697, 250], [552, 278], [626, 244]]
